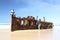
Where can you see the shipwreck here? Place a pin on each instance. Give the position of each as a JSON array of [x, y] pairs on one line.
[[26, 23]]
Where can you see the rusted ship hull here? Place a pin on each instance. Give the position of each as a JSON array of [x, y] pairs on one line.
[[46, 25], [31, 24]]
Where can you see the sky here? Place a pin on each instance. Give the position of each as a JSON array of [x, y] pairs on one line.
[[50, 9]]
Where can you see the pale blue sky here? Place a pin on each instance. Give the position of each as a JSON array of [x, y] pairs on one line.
[[48, 8]]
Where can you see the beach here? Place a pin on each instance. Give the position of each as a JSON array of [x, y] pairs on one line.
[[45, 34], [49, 34], [5, 34]]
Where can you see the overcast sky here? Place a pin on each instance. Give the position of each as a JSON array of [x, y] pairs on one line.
[[50, 9]]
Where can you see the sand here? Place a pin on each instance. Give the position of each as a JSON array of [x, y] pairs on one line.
[[49, 34], [5, 34]]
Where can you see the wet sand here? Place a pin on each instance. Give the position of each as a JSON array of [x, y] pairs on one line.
[[49, 34]]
